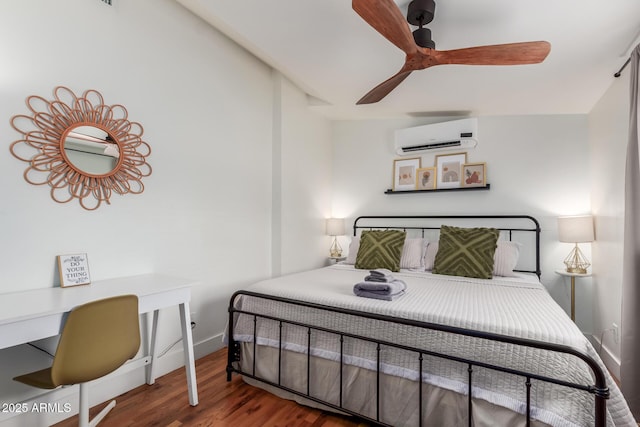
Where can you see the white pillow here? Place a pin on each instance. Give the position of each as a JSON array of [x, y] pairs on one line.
[[504, 259], [354, 245], [412, 253], [430, 256]]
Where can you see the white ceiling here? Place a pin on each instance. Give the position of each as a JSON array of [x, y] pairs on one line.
[[326, 49]]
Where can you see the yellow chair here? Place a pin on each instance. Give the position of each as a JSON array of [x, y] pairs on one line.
[[97, 338]]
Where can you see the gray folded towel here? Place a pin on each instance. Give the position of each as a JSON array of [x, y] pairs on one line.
[[385, 291], [380, 275]]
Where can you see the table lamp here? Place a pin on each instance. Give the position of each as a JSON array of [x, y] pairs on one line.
[[576, 229], [335, 228]]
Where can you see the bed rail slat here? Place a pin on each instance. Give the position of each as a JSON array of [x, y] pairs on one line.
[[280, 352], [528, 386], [255, 341], [469, 401], [378, 382], [341, 367], [420, 366], [308, 361]]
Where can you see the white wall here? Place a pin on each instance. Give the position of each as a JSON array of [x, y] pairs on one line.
[[305, 184], [208, 110], [536, 165], [608, 136]]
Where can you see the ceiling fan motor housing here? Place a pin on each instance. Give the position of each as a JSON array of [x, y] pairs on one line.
[[422, 36], [421, 12]]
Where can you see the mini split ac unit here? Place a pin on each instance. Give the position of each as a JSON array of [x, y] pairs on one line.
[[452, 135]]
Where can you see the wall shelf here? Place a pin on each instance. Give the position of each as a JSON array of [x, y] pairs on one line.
[[439, 190]]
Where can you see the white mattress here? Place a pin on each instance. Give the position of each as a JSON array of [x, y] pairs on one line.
[[519, 307]]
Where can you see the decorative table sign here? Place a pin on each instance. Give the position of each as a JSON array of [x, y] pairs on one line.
[[74, 270]]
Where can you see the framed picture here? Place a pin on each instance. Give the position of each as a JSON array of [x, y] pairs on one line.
[[74, 270], [426, 178], [449, 170], [474, 175], [404, 174]]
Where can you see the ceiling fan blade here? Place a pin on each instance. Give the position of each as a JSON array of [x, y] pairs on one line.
[[383, 89], [385, 17], [500, 54]]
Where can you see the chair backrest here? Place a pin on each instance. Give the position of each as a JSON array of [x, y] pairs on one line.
[[97, 338]]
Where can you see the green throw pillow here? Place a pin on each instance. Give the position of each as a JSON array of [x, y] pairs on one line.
[[380, 249], [466, 252]]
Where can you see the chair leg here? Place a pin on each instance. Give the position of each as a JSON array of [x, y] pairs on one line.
[[83, 412]]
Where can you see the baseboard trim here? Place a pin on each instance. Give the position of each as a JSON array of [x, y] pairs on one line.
[[610, 360], [175, 359]]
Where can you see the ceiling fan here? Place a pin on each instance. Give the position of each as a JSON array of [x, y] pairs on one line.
[[385, 17]]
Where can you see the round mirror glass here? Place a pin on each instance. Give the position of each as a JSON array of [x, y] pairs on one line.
[[91, 150]]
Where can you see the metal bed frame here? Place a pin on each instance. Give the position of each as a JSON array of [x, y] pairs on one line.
[[598, 389]]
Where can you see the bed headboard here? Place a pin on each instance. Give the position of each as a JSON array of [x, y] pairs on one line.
[[521, 228]]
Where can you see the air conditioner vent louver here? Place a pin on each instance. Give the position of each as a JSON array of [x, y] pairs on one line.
[[433, 146]]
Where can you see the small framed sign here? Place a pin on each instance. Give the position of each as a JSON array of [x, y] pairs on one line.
[[74, 270]]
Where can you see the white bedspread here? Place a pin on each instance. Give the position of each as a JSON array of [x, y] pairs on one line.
[[519, 307]]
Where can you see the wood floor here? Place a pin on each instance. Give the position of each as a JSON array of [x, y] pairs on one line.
[[222, 403]]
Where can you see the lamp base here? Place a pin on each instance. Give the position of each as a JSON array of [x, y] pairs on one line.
[[335, 251], [576, 262]]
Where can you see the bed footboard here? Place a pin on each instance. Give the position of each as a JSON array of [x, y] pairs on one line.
[[598, 389]]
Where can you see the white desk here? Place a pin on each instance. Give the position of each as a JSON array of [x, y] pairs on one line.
[[35, 314]]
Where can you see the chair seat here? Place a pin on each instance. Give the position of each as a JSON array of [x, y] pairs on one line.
[[40, 379]]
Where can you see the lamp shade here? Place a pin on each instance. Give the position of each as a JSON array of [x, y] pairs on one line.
[[576, 229], [335, 226]]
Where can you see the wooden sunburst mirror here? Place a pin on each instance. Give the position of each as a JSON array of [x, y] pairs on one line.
[[84, 148]]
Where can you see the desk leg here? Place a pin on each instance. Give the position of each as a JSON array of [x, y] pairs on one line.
[[573, 298], [153, 351], [189, 362]]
